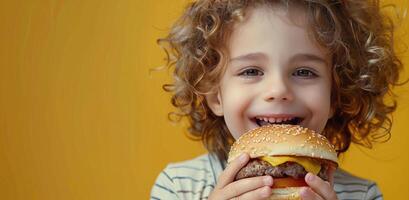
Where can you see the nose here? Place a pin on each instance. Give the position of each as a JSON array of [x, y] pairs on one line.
[[278, 89]]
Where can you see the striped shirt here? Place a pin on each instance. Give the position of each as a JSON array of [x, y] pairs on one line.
[[196, 178]]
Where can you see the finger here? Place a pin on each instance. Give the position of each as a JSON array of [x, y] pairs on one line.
[[227, 176], [330, 174], [243, 186], [258, 194], [307, 194], [321, 187]]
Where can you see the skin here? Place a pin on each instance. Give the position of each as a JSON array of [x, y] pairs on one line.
[[275, 71]]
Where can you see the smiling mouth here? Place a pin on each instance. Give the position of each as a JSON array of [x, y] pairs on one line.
[[263, 121]]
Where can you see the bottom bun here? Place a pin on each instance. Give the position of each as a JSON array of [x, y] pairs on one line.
[[289, 193]]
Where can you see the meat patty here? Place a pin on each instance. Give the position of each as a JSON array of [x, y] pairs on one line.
[[256, 167]]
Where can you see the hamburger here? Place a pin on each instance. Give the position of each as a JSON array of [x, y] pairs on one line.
[[287, 153]]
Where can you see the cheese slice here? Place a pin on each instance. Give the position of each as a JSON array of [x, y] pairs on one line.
[[308, 164]]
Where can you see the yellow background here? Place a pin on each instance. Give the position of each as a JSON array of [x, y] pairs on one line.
[[82, 118]]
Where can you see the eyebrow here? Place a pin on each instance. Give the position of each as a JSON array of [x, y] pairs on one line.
[[296, 57], [309, 57], [249, 56]]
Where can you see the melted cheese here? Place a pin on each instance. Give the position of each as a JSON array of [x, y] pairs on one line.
[[308, 164]]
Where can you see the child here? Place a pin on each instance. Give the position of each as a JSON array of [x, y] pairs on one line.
[[240, 64]]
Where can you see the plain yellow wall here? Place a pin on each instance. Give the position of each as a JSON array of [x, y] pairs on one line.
[[82, 118]]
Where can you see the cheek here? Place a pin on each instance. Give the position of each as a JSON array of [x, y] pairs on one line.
[[317, 100], [236, 99], [236, 104], [320, 101], [234, 116], [319, 96]]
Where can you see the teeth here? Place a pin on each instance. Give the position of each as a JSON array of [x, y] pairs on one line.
[[275, 120]]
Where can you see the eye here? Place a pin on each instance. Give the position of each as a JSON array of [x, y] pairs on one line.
[[305, 73], [251, 72]]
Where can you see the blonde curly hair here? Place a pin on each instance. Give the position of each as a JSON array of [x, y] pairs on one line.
[[365, 66]]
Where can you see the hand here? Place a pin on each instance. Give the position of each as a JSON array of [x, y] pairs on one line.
[[243, 189], [319, 189]]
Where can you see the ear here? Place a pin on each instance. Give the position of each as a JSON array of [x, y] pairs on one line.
[[214, 101]]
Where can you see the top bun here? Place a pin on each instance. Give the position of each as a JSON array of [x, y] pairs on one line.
[[283, 140]]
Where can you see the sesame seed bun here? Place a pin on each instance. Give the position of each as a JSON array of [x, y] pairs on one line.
[[283, 140]]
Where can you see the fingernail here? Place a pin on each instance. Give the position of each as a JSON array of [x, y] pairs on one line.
[[310, 177], [243, 157], [268, 180], [327, 183]]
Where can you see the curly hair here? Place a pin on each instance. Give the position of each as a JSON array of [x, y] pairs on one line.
[[356, 32]]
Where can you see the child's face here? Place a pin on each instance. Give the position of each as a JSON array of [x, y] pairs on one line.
[[275, 72]]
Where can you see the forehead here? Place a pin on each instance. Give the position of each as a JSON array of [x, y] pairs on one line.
[[279, 26]]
